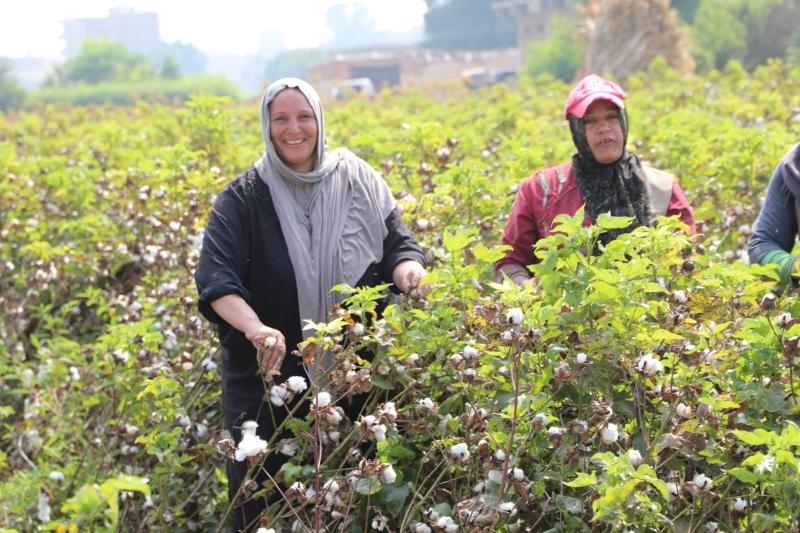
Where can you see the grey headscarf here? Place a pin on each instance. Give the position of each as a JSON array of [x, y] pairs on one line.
[[332, 217]]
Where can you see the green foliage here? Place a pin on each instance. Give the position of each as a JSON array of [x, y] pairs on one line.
[[750, 31], [560, 55], [109, 376], [11, 94], [130, 92], [101, 60]]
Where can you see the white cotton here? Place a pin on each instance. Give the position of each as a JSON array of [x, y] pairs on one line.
[[470, 352], [739, 505], [610, 434], [712, 527], [388, 475], [701, 481], [331, 486], [506, 507], [447, 524], [425, 404], [517, 474], [635, 457], [495, 476], [500, 455], [456, 358], [649, 365], [556, 431], [581, 359], [323, 399], [279, 395], [57, 476], [679, 296], [672, 487], [74, 375], [358, 329], [477, 488], [297, 384], [515, 316], [289, 448], [683, 410], [249, 426], [250, 446], [540, 420], [265, 530], [379, 523], [209, 365], [460, 452], [380, 432], [202, 430], [419, 527]]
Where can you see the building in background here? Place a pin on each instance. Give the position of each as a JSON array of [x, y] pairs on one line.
[[532, 16], [136, 31], [413, 66]]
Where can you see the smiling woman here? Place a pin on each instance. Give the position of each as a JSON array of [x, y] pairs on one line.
[[603, 176], [299, 222]]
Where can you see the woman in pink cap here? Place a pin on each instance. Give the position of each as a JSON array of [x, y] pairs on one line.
[[603, 175]]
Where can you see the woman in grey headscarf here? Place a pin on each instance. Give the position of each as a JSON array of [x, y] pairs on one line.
[[300, 221]]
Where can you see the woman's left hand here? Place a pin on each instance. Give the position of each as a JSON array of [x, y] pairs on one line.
[[407, 276]]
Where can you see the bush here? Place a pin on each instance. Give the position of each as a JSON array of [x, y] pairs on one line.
[[560, 55], [129, 92]]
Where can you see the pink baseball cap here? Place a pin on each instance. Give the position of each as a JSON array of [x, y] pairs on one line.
[[589, 90]]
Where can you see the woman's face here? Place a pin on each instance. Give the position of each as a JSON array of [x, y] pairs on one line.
[[293, 129], [604, 131]]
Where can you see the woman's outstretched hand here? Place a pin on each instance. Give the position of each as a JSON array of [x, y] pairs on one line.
[[271, 349], [408, 276]]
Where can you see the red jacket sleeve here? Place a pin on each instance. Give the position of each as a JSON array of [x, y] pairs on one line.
[[520, 232], [679, 205]]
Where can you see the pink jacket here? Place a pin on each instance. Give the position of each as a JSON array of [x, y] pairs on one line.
[[545, 195]]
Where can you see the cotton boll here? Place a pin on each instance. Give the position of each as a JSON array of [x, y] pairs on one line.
[[635, 457], [495, 476], [419, 527], [297, 384], [323, 400], [649, 365], [388, 475], [507, 507], [515, 316], [683, 410], [470, 352], [289, 449], [279, 396], [460, 452], [702, 482], [251, 445], [672, 487], [500, 455], [517, 474], [56, 476], [609, 434]]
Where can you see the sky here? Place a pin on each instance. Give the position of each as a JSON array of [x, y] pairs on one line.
[[33, 27]]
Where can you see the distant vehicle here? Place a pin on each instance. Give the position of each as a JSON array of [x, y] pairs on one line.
[[503, 75], [477, 77], [353, 86]]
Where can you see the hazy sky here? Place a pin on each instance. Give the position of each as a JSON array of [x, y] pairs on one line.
[[33, 27]]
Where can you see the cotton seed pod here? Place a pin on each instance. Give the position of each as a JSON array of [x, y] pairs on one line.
[[683, 410], [767, 302], [784, 320]]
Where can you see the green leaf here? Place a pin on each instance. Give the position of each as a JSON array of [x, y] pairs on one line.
[[392, 498], [744, 475], [607, 221], [489, 255], [368, 486], [583, 480], [453, 242], [757, 437]]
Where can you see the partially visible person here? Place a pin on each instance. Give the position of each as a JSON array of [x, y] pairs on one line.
[[776, 228], [602, 175], [299, 221]]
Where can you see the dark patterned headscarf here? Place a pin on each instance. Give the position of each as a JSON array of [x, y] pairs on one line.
[[617, 188]]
